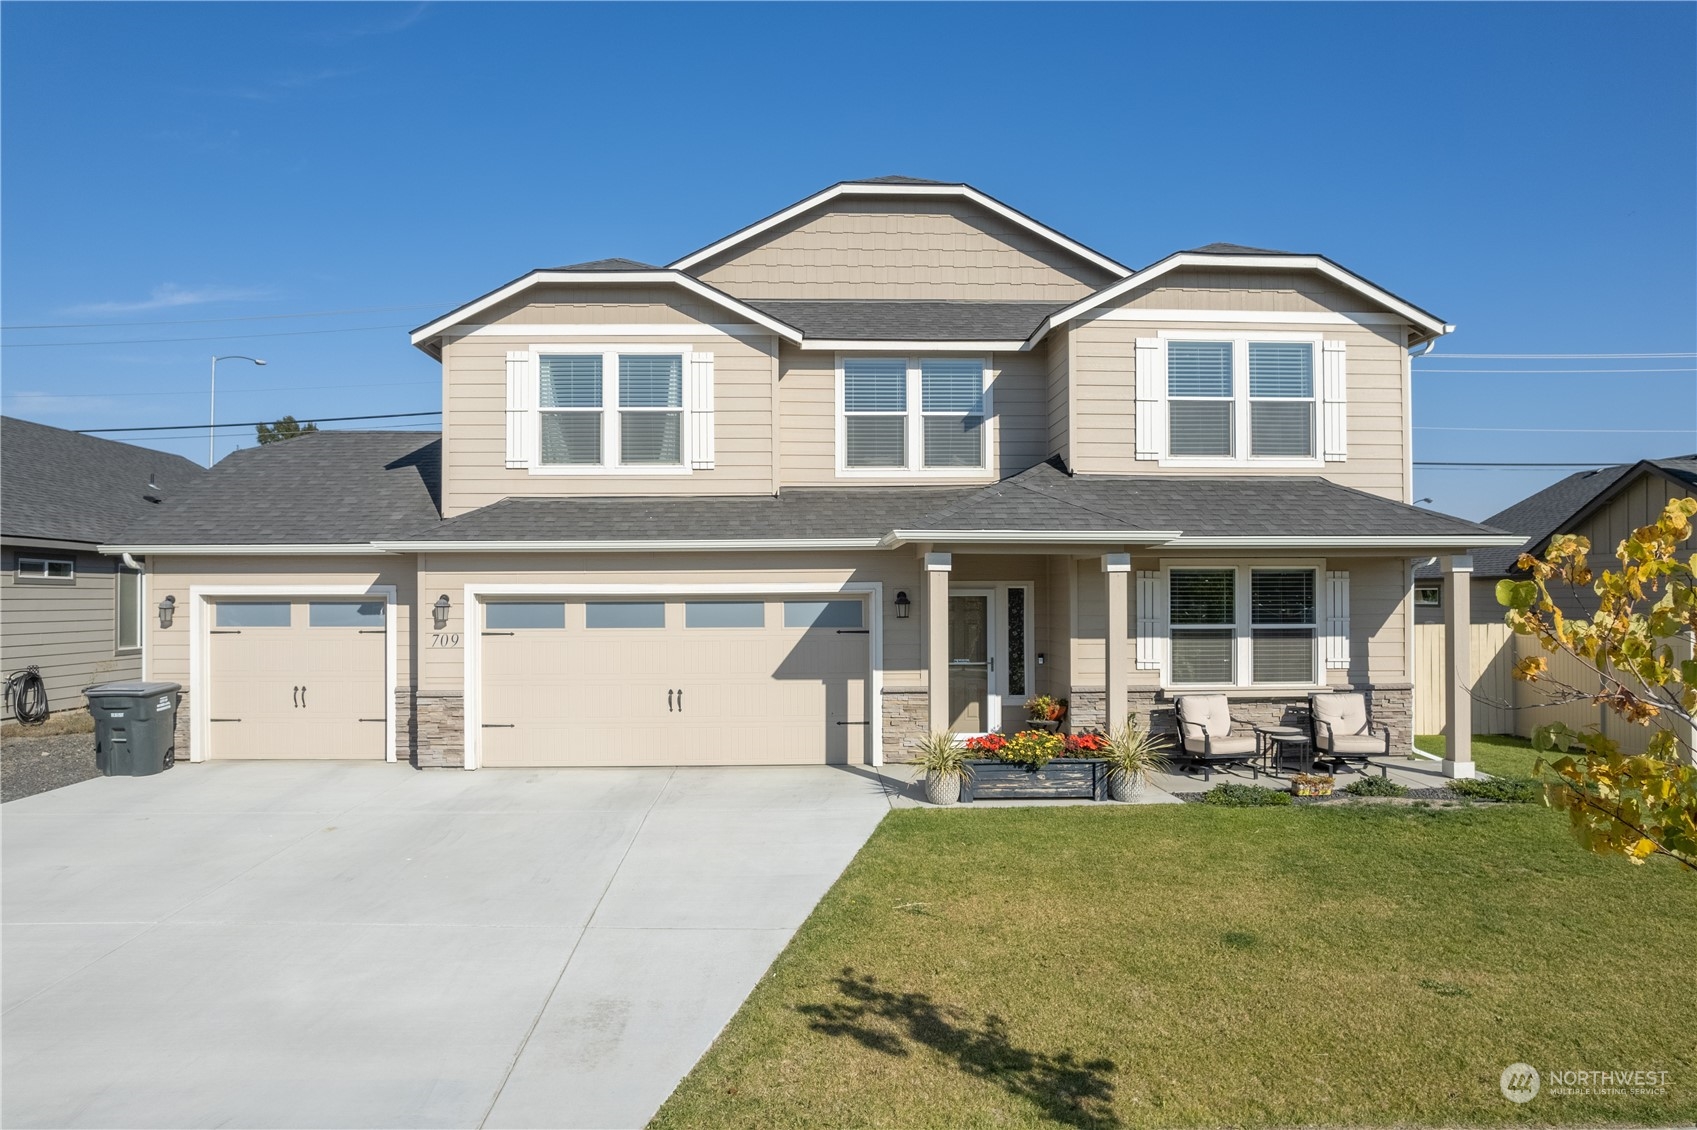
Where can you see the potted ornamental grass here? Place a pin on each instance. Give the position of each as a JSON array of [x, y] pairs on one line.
[[943, 760], [1133, 755]]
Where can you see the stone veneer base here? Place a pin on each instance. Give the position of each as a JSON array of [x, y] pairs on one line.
[[439, 731]]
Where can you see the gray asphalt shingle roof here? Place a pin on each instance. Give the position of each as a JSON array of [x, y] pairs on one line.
[[908, 320], [1539, 515], [609, 265], [70, 487], [1237, 249], [323, 488]]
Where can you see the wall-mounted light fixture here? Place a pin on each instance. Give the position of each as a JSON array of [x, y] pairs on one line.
[[167, 611], [902, 605], [440, 610]]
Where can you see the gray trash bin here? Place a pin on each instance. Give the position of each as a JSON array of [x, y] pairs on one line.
[[135, 726]]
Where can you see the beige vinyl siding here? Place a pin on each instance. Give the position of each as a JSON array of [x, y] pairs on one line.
[[1378, 639], [1104, 381], [168, 648], [1638, 503], [475, 390], [68, 629], [1058, 375], [443, 669], [1214, 288], [807, 421], [902, 249]]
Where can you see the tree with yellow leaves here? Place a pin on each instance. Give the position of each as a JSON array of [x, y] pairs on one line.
[[1639, 666]]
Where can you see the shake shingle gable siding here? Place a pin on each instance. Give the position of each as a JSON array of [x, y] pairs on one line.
[[71, 487], [324, 488], [909, 320]]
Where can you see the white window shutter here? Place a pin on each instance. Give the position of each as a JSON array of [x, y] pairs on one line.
[[1337, 619], [519, 383], [1151, 637], [701, 411], [1151, 399], [1334, 411]]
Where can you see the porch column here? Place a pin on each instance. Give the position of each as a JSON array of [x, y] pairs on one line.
[[1117, 570], [1458, 662], [937, 567]]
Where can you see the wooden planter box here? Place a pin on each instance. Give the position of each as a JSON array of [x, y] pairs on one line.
[[1062, 778]]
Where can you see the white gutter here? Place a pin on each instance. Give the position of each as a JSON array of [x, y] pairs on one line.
[[342, 549], [719, 545], [1031, 537], [1424, 542]]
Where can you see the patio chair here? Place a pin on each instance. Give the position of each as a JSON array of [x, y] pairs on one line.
[[1344, 732], [1204, 725]]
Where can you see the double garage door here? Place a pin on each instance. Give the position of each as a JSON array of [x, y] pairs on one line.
[[302, 678], [673, 681]]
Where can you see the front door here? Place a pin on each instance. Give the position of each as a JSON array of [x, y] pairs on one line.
[[974, 707]]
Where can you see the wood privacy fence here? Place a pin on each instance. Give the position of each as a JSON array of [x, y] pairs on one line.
[[1500, 704]]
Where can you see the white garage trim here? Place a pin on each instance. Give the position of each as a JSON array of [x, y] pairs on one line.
[[873, 590], [200, 642]]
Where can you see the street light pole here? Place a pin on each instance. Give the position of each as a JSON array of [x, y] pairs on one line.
[[212, 407]]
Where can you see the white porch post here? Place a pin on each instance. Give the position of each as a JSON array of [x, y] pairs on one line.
[[937, 566], [1116, 568], [1458, 663]]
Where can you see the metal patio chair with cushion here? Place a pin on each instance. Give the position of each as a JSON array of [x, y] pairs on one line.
[[1344, 732], [1205, 725]]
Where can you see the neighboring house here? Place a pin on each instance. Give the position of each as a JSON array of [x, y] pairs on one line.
[[64, 607], [1604, 505], [888, 461]]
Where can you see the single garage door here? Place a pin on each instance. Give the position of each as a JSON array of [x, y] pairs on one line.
[[298, 679], [674, 681]]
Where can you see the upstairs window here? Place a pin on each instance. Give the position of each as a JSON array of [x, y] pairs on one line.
[[1226, 399], [912, 415], [611, 410]]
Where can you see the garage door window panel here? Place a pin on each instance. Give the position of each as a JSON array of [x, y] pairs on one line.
[[625, 614], [524, 615], [724, 614], [822, 614], [346, 614], [253, 614]]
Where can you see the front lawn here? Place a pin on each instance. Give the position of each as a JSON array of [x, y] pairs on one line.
[[1199, 966], [1500, 755]]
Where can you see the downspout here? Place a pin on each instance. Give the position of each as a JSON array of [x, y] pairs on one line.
[[132, 563]]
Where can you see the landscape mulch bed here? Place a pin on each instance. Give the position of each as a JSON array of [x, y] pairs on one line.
[[33, 763]]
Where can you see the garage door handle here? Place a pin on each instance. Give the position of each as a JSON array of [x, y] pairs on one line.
[[498, 725], [853, 631], [669, 706], [854, 723], [497, 633], [226, 631], [373, 719], [297, 696], [225, 719], [680, 700]]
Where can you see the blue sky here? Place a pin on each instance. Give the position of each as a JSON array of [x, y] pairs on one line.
[[1529, 172]]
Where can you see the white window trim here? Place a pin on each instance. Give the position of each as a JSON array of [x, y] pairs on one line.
[[1240, 395], [43, 578], [1243, 657], [915, 430], [118, 576], [610, 410]]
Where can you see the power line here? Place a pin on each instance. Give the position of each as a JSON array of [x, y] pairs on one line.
[[1424, 372], [1551, 356], [1594, 431], [212, 337], [272, 388], [1476, 463], [239, 318], [254, 423]]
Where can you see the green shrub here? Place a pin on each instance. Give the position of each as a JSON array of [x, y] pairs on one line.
[[1507, 790], [1375, 786], [1244, 796]]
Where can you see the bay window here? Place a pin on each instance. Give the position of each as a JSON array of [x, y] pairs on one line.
[[912, 414]]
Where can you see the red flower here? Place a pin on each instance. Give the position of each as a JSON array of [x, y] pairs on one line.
[[990, 744]]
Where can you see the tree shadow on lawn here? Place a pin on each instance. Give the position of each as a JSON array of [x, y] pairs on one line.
[[1067, 1090]]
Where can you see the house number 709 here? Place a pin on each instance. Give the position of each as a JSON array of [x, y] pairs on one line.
[[445, 639]]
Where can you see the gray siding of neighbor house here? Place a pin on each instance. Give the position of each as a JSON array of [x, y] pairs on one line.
[[68, 629]]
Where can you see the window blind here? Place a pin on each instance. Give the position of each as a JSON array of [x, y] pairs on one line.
[[572, 438], [571, 381], [1281, 391], [952, 385], [651, 381], [1199, 368], [875, 384], [1203, 596]]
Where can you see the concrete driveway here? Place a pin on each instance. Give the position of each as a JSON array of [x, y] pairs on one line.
[[349, 944]]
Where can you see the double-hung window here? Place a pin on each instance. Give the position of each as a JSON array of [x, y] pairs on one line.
[[913, 414], [1231, 627], [611, 410], [1242, 399]]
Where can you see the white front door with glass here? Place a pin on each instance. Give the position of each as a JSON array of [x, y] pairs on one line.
[[989, 658]]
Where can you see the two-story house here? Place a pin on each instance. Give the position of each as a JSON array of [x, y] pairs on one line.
[[888, 461]]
